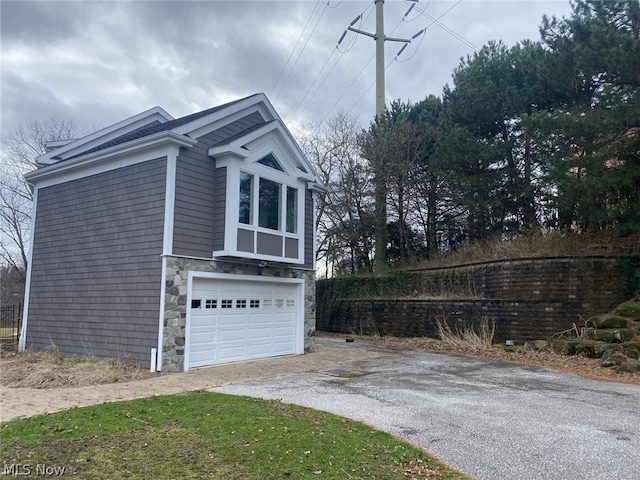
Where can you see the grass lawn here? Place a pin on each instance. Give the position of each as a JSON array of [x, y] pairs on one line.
[[208, 435]]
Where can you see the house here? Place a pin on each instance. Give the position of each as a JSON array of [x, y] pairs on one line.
[[175, 243]]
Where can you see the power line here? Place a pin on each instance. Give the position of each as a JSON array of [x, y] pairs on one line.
[[362, 70], [348, 88], [420, 33], [301, 51], [362, 17], [294, 47], [445, 28]]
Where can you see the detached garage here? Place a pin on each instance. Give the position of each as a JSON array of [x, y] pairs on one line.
[[231, 320], [175, 242]]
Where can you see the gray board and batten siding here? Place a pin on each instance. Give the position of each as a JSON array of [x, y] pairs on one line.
[[97, 249]]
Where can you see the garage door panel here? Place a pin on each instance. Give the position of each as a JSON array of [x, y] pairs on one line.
[[232, 320], [283, 334], [231, 354], [260, 333], [233, 335], [282, 349], [257, 351], [260, 319]]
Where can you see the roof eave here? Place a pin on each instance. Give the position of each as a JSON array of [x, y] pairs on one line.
[[168, 138]]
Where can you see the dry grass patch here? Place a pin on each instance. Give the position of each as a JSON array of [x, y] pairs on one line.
[[540, 244], [467, 336], [52, 370]]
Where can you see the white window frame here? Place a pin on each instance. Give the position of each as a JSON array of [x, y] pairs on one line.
[[239, 161]]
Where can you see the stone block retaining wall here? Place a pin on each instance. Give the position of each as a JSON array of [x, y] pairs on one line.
[[528, 299]]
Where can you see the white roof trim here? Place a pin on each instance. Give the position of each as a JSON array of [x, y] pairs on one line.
[[276, 127], [106, 134], [245, 103], [150, 141]]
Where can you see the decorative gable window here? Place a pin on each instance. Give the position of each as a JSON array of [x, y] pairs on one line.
[[265, 200]]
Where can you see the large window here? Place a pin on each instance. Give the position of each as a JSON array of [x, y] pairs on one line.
[[246, 198], [277, 203], [292, 210], [269, 204]]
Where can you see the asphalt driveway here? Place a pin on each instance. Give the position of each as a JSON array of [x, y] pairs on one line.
[[488, 419]]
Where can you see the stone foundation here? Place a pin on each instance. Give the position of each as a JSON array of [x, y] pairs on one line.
[[175, 301]]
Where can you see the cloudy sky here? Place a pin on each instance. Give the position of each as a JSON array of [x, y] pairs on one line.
[[99, 62]]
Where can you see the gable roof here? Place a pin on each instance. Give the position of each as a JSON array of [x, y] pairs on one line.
[[163, 127], [156, 127], [62, 150]]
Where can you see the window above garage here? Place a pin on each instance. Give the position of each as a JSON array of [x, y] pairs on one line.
[[265, 201]]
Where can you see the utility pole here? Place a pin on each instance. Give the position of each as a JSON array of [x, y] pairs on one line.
[[380, 177]]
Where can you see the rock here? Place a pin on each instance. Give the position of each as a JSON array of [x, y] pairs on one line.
[[614, 335], [604, 350], [608, 321], [586, 350], [629, 309], [614, 360], [630, 365], [565, 347], [535, 345], [632, 350], [540, 344]]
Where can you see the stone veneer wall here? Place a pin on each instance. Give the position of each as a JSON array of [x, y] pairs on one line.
[[175, 301], [527, 298]]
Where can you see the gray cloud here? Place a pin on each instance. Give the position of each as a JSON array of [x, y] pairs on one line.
[[97, 62]]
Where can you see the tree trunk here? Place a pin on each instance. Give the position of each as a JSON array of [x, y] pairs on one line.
[[381, 237]]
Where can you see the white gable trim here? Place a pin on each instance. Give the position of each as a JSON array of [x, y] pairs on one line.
[[111, 132], [136, 151], [224, 116], [269, 138]]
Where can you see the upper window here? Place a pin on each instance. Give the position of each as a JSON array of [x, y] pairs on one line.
[[271, 162], [246, 198], [269, 202], [292, 210], [276, 205], [264, 210]]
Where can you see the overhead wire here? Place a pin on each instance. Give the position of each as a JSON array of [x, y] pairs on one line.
[[445, 28], [301, 51], [420, 33], [294, 48], [362, 18], [358, 76]]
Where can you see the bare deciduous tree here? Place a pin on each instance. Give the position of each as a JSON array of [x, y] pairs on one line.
[[345, 211], [20, 148]]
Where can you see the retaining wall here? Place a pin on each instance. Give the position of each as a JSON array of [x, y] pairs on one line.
[[527, 298]]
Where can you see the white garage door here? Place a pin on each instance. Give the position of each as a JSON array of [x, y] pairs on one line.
[[240, 320]]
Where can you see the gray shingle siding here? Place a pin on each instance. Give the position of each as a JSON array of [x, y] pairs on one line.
[[96, 271], [198, 195], [309, 224], [219, 212]]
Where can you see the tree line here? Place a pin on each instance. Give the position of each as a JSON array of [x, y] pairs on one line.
[[541, 135]]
